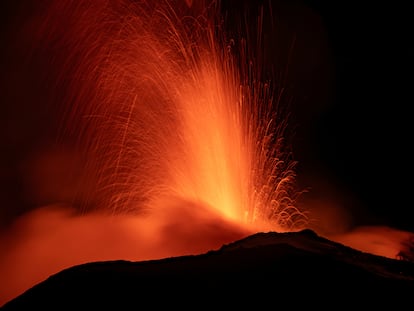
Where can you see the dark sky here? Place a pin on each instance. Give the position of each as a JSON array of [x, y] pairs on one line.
[[350, 79], [363, 137]]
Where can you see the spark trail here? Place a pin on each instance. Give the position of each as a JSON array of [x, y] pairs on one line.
[[165, 105], [175, 141]]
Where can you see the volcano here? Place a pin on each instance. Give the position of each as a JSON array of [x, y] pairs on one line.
[[261, 270], [207, 153]]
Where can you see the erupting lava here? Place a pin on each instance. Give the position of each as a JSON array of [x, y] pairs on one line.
[[163, 110], [181, 139]]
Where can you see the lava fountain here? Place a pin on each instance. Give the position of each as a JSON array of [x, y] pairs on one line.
[[163, 110], [181, 139], [172, 137]]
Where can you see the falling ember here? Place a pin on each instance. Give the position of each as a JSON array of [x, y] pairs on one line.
[[164, 105], [179, 137], [173, 137]]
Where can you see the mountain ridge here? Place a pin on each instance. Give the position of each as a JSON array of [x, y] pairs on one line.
[[256, 269]]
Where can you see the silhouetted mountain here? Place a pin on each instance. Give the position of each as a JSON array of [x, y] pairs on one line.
[[264, 269]]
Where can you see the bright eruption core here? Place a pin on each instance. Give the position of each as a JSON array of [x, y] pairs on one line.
[[172, 139], [160, 108], [176, 141]]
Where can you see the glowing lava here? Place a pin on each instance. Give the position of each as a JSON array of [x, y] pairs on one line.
[[174, 139], [177, 137], [161, 109]]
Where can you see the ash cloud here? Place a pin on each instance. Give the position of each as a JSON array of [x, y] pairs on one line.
[[51, 238]]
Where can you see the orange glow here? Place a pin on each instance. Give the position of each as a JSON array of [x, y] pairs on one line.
[[179, 145], [160, 109], [174, 143], [379, 240], [52, 238]]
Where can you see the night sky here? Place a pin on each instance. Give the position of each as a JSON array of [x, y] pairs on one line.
[[349, 79], [363, 136]]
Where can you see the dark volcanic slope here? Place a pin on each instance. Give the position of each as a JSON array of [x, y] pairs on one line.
[[262, 270]]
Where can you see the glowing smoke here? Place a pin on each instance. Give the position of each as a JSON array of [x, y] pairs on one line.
[[172, 132], [163, 110], [167, 125]]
